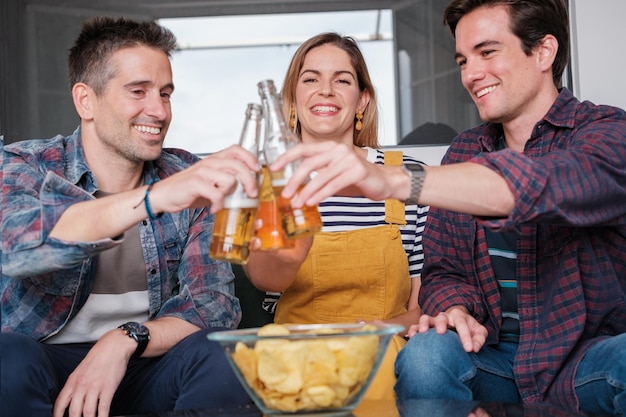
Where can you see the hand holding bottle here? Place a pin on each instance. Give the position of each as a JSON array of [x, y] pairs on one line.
[[234, 224], [297, 221]]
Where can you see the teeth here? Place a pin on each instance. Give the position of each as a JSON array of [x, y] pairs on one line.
[[485, 91], [148, 129], [324, 109]]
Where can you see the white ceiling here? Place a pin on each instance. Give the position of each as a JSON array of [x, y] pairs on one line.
[[185, 8]]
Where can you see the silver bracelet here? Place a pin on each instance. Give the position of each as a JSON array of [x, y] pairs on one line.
[[417, 174]]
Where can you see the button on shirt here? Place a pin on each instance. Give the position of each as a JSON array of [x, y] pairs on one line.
[[45, 281], [570, 193]]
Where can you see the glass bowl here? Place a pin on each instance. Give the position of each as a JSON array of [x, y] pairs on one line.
[[307, 369]]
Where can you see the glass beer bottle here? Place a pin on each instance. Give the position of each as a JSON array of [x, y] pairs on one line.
[[271, 233], [234, 224], [297, 222]]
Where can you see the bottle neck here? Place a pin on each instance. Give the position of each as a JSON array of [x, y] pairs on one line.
[[275, 121], [249, 138]]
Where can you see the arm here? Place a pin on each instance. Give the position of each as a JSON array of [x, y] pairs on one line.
[[50, 218], [340, 170], [413, 309], [205, 183], [93, 382], [203, 297], [573, 173], [275, 270]]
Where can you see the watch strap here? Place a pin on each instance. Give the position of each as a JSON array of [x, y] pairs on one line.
[[139, 333], [417, 174]]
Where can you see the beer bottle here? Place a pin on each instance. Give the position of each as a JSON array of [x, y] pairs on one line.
[[271, 233], [296, 222], [234, 224]]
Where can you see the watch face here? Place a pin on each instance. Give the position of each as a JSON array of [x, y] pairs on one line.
[[414, 168], [136, 328]]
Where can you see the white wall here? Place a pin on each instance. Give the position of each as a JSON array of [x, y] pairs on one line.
[[598, 51]]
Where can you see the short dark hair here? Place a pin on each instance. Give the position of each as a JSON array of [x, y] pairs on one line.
[[90, 56], [531, 21]]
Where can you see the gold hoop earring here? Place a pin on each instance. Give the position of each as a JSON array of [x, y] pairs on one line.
[[359, 117], [293, 118]]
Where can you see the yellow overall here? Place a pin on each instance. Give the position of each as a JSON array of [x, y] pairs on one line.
[[355, 275]]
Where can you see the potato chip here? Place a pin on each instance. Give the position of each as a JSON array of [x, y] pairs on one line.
[[271, 369], [306, 374], [273, 329], [321, 395], [246, 360]]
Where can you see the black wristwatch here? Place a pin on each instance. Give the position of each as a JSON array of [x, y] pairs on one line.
[[417, 173], [140, 333]]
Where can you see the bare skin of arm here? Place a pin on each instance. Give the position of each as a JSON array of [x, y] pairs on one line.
[[466, 187], [275, 270], [206, 182], [413, 309], [90, 388]]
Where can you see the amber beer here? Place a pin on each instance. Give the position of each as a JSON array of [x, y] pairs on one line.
[[296, 222], [234, 230], [271, 232], [300, 222], [234, 223]]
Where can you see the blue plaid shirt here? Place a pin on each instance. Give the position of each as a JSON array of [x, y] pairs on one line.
[[46, 281], [570, 213]]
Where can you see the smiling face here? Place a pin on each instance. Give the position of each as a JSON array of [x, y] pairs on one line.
[[328, 95], [131, 117], [505, 83]]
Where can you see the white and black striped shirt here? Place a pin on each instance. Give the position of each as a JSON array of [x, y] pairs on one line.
[[340, 214]]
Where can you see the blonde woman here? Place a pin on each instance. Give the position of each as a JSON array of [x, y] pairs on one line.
[[366, 262]]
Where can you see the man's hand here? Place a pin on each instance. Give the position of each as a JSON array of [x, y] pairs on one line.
[[337, 169], [89, 390], [206, 182], [472, 334]]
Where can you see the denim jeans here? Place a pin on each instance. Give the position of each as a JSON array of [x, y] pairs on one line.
[[433, 366], [600, 380], [193, 374]]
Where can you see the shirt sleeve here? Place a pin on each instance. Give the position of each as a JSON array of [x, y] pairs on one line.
[[202, 289], [580, 185], [33, 203]]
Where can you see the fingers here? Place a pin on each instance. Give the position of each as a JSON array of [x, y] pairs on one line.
[[236, 152], [82, 404], [425, 323], [472, 334], [208, 182], [412, 330], [61, 403], [336, 166], [233, 162], [465, 335], [314, 162], [479, 337]]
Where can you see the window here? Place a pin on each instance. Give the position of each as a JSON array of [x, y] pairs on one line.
[[221, 59]]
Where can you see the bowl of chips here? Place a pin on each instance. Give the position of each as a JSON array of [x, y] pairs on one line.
[[307, 368]]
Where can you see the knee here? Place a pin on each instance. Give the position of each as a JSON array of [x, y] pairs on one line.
[[24, 361], [19, 352], [428, 350], [207, 370], [197, 346]]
